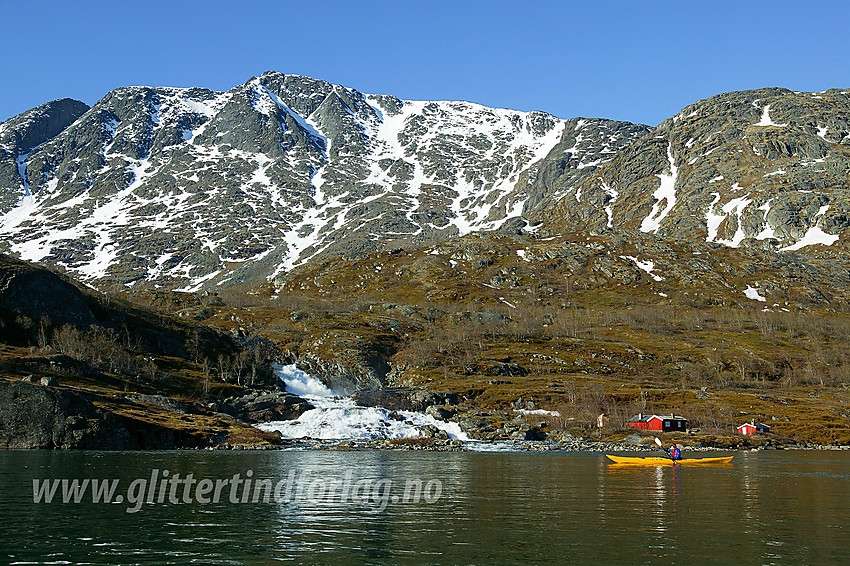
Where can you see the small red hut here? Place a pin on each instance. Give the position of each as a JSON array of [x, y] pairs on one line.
[[664, 423], [751, 428]]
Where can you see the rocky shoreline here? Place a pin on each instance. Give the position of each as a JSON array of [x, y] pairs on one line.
[[39, 414], [484, 446]]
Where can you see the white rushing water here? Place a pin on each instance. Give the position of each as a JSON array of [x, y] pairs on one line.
[[337, 417]]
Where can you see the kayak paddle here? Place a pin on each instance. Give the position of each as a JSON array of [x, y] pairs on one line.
[[661, 446]]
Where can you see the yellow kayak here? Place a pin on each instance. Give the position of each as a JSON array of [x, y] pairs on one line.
[[658, 461]]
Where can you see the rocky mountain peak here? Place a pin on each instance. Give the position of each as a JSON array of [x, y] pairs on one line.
[[27, 131], [185, 188], [20, 135]]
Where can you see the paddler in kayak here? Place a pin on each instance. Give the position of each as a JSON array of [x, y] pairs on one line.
[[674, 453]]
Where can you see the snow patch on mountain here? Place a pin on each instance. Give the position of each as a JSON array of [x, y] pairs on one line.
[[753, 293], [814, 235], [767, 232], [665, 194], [714, 219], [765, 119], [648, 266], [611, 198]]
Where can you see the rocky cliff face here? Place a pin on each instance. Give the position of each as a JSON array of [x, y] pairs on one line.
[[186, 188], [766, 168], [34, 416]]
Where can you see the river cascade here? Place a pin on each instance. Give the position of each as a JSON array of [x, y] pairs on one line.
[[338, 417]]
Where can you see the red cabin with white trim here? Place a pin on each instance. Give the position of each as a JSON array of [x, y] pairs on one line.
[[751, 428], [664, 423]]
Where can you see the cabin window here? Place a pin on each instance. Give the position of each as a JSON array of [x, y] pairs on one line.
[[667, 423]]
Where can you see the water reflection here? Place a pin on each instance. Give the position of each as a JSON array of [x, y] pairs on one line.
[[494, 508]]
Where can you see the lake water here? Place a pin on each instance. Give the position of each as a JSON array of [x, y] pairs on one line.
[[372, 507]]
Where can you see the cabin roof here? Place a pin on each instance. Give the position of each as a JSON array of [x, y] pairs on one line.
[[645, 418]]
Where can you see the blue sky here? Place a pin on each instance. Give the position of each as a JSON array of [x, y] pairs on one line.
[[640, 61]]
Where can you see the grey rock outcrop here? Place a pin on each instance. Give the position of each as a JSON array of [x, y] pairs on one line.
[[34, 416], [264, 406], [406, 399], [347, 361]]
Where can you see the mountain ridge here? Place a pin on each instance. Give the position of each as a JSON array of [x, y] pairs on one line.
[[584, 266], [300, 140], [159, 187], [734, 145]]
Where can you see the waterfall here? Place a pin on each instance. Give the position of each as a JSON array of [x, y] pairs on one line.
[[337, 417]]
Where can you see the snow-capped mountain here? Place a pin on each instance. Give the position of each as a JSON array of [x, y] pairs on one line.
[[190, 188], [187, 188]]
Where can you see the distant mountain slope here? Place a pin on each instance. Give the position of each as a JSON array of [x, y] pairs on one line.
[[766, 168], [510, 270], [186, 188]]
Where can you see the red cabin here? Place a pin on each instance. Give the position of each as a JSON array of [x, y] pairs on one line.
[[664, 423], [751, 428]]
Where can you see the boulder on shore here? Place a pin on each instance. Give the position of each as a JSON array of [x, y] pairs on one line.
[[264, 406], [404, 398]]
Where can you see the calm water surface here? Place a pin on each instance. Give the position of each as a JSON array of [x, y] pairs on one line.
[[493, 508]]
